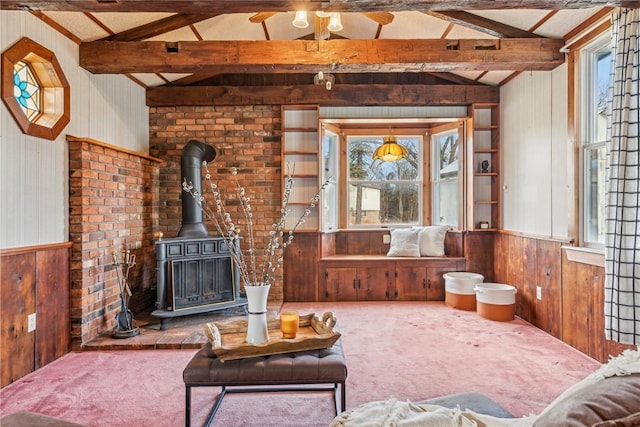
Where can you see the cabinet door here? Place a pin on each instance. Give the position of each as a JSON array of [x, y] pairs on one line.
[[340, 284], [374, 283], [435, 283], [411, 284]]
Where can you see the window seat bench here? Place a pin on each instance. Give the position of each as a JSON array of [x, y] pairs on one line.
[[370, 277]]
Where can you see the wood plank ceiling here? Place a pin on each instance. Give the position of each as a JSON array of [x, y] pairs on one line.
[[230, 51]]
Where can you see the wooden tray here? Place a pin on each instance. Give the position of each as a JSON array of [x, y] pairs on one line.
[[228, 339]]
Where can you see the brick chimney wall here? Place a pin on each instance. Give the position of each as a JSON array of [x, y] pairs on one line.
[[245, 137], [113, 201]]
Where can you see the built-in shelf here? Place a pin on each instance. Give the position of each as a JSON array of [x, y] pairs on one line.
[[483, 183], [300, 151]]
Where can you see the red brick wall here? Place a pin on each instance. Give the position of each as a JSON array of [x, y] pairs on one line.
[[245, 137], [113, 202]]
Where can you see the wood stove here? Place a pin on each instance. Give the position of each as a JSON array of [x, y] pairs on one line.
[[195, 275], [195, 271]]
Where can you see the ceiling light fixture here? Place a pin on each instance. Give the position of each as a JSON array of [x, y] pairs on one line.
[[324, 23], [300, 21], [335, 23], [324, 79], [390, 150]]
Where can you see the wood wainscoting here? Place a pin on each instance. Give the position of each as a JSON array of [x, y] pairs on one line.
[[562, 297], [34, 281]]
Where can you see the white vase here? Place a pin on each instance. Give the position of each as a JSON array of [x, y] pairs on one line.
[[257, 328]]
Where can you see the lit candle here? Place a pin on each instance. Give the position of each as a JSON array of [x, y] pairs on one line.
[[289, 321]]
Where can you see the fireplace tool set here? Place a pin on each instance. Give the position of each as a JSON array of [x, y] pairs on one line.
[[125, 326]]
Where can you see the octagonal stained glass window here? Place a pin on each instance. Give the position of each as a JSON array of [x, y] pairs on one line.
[[35, 90]]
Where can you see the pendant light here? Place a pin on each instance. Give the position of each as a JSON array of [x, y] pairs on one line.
[[390, 150]]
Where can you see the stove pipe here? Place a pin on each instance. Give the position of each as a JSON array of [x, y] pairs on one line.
[[193, 154]]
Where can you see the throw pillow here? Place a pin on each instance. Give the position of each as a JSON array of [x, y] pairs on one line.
[[431, 240], [608, 399], [404, 242], [630, 421]]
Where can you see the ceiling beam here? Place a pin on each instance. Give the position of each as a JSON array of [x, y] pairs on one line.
[[158, 27], [253, 6], [286, 56], [484, 25], [339, 95]]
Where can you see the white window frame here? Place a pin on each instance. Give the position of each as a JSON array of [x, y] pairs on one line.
[[437, 182], [589, 141]]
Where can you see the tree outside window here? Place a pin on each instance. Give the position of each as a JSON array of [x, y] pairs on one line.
[[383, 193]]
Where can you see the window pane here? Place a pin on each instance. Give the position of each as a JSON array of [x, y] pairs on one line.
[[384, 203], [330, 162], [595, 194], [447, 194], [602, 95], [383, 193], [595, 97], [26, 90], [445, 180], [363, 167]]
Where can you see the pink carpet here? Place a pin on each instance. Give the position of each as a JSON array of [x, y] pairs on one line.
[[411, 351]]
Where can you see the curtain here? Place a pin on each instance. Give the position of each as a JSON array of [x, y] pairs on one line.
[[622, 240]]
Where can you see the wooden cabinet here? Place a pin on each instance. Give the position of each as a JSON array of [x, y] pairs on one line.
[[300, 151], [415, 282], [383, 280], [410, 284], [483, 169], [362, 283]]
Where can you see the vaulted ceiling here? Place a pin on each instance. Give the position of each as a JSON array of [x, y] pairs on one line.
[[210, 49]]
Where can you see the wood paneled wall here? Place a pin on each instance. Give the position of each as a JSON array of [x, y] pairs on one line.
[[571, 303], [33, 280], [529, 264]]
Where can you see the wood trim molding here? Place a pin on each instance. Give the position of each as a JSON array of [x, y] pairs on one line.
[[585, 255], [71, 138], [36, 248], [566, 241]]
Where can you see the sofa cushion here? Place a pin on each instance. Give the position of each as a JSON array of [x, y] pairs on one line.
[[612, 398]]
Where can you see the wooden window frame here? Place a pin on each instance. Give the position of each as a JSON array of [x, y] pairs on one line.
[[55, 109]]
